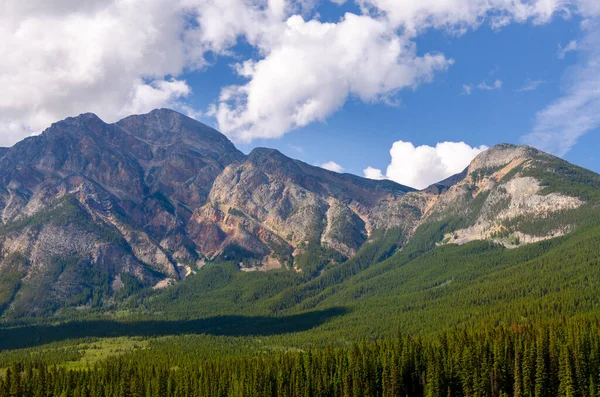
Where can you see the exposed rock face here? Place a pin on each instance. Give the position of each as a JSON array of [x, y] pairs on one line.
[[91, 211], [137, 182], [181, 158], [273, 204], [495, 193], [146, 200]]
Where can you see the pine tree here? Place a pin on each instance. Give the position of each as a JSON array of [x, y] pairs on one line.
[[16, 386], [518, 376], [541, 375], [528, 370], [565, 374]]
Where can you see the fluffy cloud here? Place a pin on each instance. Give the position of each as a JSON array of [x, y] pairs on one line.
[[332, 166], [373, 173], [558, 127], [71, 57], [315, 67], [219, 24], [422, 166], [313, 70], [113, 57], [458, 15], [155, 94], [118, 57]]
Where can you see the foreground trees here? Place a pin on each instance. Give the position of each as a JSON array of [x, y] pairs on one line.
[[560, 359]]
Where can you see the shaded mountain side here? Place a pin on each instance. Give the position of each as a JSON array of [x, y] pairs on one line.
[[520, 189], [443, 186], [417, 290], [139, 179], [184, 155]]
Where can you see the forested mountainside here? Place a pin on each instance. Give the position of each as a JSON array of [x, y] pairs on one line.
[[151, 257]]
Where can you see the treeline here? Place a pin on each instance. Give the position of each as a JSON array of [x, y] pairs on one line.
[[530, 361]]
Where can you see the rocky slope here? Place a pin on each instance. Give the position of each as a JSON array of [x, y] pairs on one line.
[[273, 206], [148, 200], [514, 195], [92, 212], [121, 195]]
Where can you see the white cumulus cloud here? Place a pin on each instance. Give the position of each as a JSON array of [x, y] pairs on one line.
[[373, 173], [113, 57], [421, 166], [459, 15], [156, 94], [71, 57], [314, 69], [332, 166]]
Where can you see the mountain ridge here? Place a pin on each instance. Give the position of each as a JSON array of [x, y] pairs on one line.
[[151, 199], [137, 182]]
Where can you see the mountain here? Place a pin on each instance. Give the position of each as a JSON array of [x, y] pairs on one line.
[[514, 195], [440, 278], [90, 208], [272, 205], [93, 212]]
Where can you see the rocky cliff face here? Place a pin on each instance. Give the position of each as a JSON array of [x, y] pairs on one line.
[[510, 195], [149, 199], [120, 195], [91, 212], [273, 205]]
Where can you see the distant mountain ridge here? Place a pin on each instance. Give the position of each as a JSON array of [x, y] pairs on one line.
[[93, 211]]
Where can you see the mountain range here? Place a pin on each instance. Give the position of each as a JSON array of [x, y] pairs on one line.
[[94, 212]]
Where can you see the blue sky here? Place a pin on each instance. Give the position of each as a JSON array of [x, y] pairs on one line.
[[316, 80], [360, 134], [524, 57]]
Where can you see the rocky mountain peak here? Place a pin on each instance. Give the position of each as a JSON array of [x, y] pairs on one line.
[[84, 124], [82, 119], [502, 155], [442, 186], [273, 161], [507, 196], [165, 126]]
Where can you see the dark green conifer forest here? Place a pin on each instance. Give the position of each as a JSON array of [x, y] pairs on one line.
[[549, 359]]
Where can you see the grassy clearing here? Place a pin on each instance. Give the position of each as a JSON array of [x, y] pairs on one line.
[[74, 354], [94, 352]]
